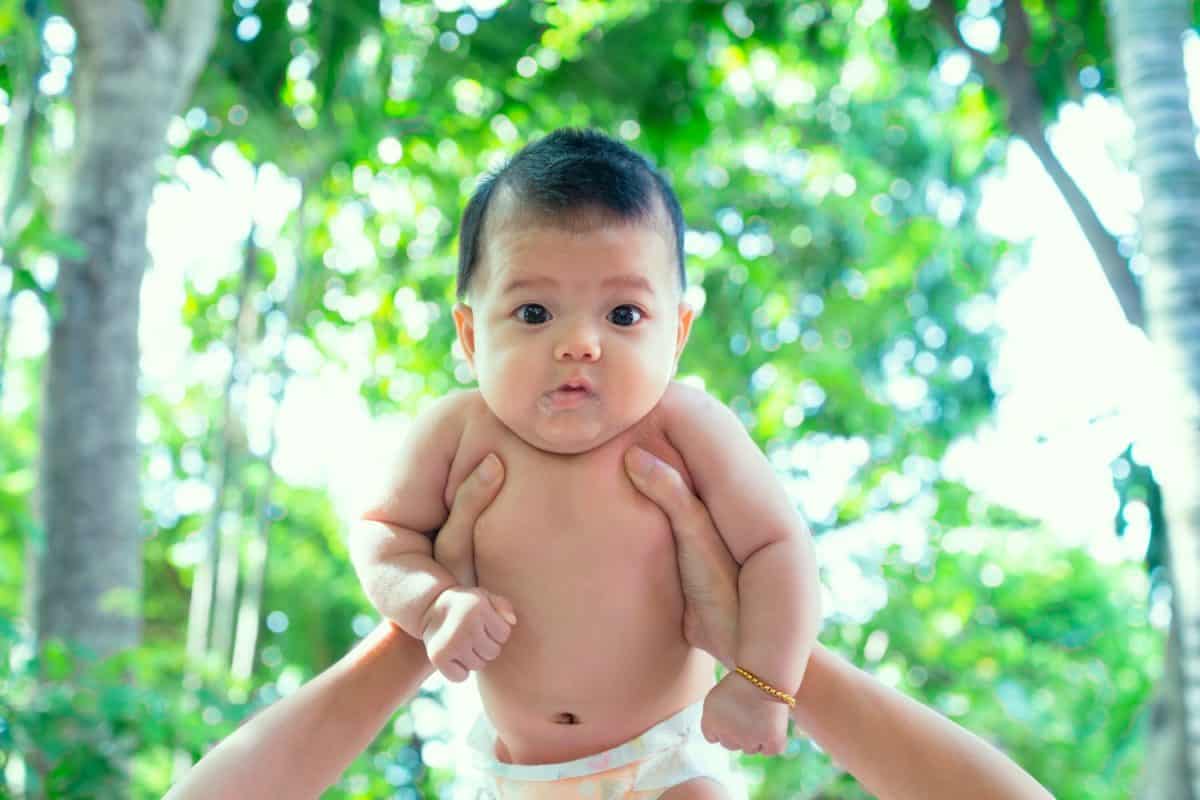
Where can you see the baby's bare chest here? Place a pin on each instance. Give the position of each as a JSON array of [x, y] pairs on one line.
[[569, 516]]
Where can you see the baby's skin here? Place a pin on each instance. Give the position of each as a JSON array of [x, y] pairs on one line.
[[598, 654], [576, 629]]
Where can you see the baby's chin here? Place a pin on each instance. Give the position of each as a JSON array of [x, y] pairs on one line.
[[565, 443], [564, 436], [567, 431]]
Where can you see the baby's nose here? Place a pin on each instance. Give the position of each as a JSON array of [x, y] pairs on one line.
[[579, 345]]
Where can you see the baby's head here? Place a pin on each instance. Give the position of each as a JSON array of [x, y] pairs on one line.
[[571, 275]]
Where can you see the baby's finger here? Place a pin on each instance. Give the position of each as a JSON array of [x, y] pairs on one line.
[[454, 671], [471, 660], [486, 648], [504, 608], [497, 630]]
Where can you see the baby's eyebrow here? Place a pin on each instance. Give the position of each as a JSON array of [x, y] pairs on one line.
[[528, 283], [619, 281], [629, 282]]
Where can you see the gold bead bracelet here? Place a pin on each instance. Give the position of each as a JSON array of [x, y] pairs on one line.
[[781, 696]]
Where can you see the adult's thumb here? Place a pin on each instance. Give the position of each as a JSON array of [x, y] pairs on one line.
[[639, 463], [658, 481]]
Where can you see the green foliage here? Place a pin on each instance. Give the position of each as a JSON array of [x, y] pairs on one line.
[[1138, 492], [76, 728], [1066, 38], [74, 725], [19, 530], [829, 179], [1037, 647]]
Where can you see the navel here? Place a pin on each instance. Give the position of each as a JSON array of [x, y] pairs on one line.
[[566, 718]]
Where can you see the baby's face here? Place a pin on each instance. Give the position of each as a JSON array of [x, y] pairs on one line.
[[574, 336]]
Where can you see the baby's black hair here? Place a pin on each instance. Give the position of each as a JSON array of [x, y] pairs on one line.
[[567, 178]]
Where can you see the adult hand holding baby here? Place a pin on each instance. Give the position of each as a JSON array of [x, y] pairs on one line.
[[736, 713], [707, 571], [466, 626]]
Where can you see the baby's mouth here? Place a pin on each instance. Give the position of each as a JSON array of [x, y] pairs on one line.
[[569, 396], [577, 384]]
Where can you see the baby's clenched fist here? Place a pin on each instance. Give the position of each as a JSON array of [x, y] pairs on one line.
[[739, 716], [464, 629]]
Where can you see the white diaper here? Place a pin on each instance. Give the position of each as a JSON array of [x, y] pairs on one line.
[[671, 752]]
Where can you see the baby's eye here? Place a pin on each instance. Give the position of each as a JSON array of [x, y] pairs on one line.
[[532, 313], [625, 315]]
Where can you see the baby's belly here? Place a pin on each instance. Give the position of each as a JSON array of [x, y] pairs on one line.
[[598, 654]]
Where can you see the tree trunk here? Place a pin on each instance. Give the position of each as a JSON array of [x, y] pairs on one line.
[[230, 532], [1148, 45], [250, 609], [130, 78]]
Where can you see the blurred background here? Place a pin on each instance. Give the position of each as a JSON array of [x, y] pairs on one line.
[[924, 261]]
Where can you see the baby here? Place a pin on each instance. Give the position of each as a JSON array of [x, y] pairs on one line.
[[571, 266]]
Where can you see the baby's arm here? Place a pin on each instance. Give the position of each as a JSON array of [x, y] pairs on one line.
[[392, 550], [778, 585]]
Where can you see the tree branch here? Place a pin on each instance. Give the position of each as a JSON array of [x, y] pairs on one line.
[[190, 27], [947, 15], [1017, 33], [1014, 81]]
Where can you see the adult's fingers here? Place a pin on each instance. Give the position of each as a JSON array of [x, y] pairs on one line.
[[452, 548], [665, 486], [691, 523], [707, 570]]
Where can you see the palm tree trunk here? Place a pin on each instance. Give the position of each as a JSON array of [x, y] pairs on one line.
[[1148, 45]]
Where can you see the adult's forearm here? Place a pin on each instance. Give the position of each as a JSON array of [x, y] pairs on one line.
[[299, 746], [897, 748]]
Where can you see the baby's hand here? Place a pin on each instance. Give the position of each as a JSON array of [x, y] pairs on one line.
[[464, 629], [740, 716]]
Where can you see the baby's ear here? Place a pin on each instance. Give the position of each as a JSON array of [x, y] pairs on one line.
[[464, 323], [686, 315]]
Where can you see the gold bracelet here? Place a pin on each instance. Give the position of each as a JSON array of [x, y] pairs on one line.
[[782, 697]]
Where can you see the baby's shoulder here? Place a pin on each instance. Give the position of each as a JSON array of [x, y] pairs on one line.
[[684, 405], [453, 410], [437, 430], [467, 401]]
